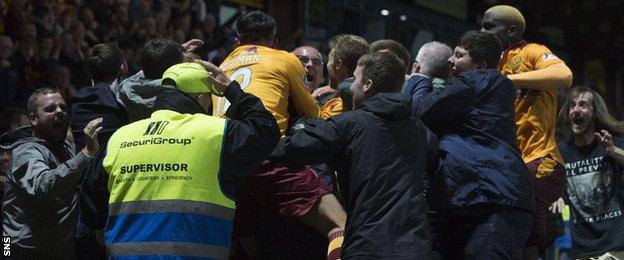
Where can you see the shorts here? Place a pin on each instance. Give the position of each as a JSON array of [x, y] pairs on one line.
[[549, 181], [289, 193]]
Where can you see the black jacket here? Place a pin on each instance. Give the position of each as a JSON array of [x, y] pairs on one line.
[[90, 103], [379, 152], [473, 117], [250, 135]]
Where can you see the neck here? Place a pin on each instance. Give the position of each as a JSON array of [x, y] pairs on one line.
[[48, 138], [584, 138]]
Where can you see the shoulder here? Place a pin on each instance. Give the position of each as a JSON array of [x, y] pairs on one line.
[[29, 150], [539, 50], [280, 56]]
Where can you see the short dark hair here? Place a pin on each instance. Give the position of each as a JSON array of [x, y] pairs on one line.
[[104, 62], [395, 48], [32, 100], [158, 55], [349, 48], [385, 69], [482, 47], [256, 27]]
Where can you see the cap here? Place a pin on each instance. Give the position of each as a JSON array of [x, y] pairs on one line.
[[189, 77]]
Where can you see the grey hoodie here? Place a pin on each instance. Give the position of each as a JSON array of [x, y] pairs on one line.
[[137, 94], [40, 206]]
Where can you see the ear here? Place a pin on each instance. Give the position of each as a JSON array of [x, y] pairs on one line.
[[512, 31], [205, 100], [367, 87], [415, 68], [275, 41], [482, 65], [338, 64], [33, 119], [123, 69]]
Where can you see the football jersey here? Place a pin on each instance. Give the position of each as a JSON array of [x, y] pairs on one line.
[[535, 110], [275, 76]]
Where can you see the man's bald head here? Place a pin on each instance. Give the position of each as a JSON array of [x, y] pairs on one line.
[[506, 22], [312, 62]]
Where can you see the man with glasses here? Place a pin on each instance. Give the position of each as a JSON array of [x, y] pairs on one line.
[[312, 62]]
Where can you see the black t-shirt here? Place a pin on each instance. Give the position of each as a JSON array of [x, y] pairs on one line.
[[595, 194]]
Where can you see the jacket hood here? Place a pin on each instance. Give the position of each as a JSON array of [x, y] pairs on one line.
[[16, 137], [392, 106], [138, 89]]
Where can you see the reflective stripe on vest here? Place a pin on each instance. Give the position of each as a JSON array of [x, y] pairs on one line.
[[156, 248], [165, 188]]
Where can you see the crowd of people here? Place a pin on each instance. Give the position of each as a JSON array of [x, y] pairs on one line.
[[47, 43], [450, 154]]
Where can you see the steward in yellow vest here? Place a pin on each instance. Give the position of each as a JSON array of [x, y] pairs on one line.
[[164, 186]]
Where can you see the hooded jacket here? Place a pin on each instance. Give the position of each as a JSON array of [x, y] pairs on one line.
[[379, 152], [138, 94], [480, 163], [40, 206]]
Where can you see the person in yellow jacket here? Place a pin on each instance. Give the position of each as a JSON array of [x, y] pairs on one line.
[[165, 185], [537, 73]]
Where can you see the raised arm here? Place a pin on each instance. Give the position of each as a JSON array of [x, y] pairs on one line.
[[251, 131], [549, 72]]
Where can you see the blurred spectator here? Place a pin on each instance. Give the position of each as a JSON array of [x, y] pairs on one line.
[[47, 33], [11, 91], [61, 81], [11, 118]]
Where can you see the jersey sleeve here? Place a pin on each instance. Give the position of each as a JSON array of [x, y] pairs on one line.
[[541, 57], [302, 99]]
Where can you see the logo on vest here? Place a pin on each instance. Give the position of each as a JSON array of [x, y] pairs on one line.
[[156, 128]]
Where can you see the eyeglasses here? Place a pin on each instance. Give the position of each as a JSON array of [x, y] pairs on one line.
[[305, 59]]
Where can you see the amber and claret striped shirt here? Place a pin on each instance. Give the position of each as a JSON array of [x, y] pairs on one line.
[[276, 77], [535, 110]]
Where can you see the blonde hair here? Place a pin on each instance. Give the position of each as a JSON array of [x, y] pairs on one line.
[[508, 14]]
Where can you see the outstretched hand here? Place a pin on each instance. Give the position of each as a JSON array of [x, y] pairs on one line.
[[605, 138], [216, 76], [192, 44], [323, 91], [91, 132]]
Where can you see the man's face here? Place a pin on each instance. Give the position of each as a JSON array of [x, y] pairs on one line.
[[50, 121], [311, 61], [358, 88], [492, 25], [581, 114], [6, 47], [461, 61]]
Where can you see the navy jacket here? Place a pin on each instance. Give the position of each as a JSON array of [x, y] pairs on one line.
[[90, 103], [480, 163]]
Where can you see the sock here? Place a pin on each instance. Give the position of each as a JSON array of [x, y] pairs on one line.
[[334, 249]]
